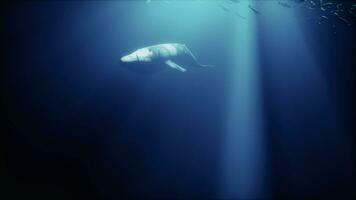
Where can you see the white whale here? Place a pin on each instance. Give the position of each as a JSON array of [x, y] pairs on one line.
[[163, 53]]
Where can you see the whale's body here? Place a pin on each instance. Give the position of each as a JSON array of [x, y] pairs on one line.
[[163, 53]]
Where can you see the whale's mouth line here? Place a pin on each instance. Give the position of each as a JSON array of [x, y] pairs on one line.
[[128, 58]]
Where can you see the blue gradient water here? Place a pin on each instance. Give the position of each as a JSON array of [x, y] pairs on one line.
[[273, 119]]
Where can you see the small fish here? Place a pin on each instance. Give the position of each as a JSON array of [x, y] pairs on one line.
[[344, 20], [242, 17], [284, 4], [224, 8], [313, 3], [254, 10], [327, 4], [235, 1]]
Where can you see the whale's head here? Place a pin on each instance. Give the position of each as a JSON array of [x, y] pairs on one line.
[[140, 55]]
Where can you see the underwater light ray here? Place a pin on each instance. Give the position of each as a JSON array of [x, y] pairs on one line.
[[243, 156]]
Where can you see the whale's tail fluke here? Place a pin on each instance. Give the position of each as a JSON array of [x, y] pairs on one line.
[[205, 66], [189, 52]]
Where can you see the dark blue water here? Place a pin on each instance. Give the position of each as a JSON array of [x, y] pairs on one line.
[[274, 119]]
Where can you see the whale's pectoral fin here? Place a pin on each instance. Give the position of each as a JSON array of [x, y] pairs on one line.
[[175, 66]]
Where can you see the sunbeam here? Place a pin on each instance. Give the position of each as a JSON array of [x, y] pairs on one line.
[[243, 159]]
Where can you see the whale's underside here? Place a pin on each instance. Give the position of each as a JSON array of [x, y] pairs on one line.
[[176, 56]]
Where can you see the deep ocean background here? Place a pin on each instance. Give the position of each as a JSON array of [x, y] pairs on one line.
[[77, 125]]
